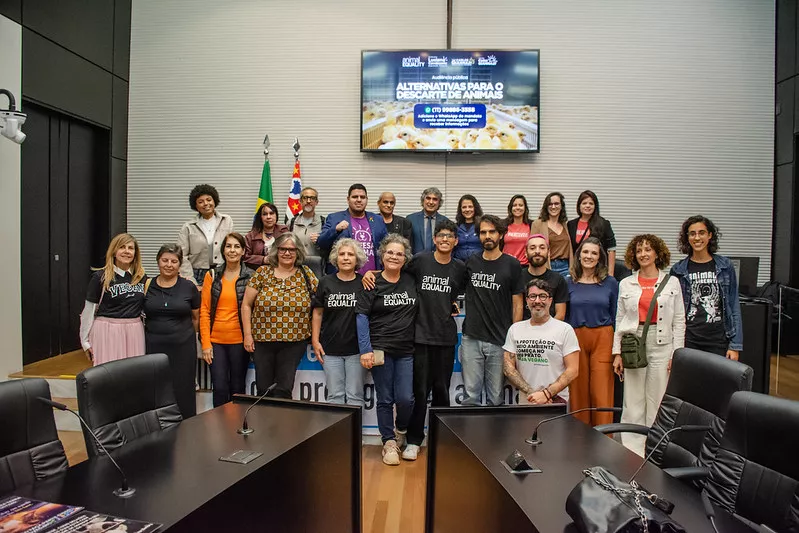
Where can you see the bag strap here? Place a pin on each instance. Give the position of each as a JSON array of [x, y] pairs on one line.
[[653, 303], [307, 281], [147, 285]]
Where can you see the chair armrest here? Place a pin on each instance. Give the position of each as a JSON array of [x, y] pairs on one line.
[[622, 428], [688, 473]]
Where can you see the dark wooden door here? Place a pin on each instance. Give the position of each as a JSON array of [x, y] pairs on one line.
[[65, 226]]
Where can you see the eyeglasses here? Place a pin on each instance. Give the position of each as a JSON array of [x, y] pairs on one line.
[[543, 297], [309, 198], [286, 251], [700, 233], [392, 253], [445, 236]]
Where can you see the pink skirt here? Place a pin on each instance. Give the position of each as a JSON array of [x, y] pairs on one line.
[[116, 338]]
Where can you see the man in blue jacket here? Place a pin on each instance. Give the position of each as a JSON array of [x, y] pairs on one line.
[[424, 222], [709, 290], [367, 228]]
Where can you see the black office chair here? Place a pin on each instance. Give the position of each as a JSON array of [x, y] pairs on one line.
[[755, 473], [126, 399], [29, 445], [698, 393]]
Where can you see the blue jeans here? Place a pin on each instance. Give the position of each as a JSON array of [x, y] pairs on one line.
[[482, 365], [228, 371], [394, 386], [561, 266], [344, 375]]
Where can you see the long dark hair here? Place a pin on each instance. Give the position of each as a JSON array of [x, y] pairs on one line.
[[715, 235], [562, 218], [601, 265], [595, 222], [478, 211], [525, 216], [257, 223]]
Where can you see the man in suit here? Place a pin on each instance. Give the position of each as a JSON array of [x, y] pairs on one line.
[[355, 222], [424, 221], [394, 223]]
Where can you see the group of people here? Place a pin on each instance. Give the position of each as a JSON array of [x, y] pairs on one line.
[[377, 292]]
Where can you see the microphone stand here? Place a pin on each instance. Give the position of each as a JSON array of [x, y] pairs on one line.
[[245, 429], [124, 491], [534, 441]]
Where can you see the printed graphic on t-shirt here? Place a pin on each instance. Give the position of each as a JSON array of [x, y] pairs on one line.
[[397, 299], [485, 281], [362, 234], [341, 300], [705, 306], [435, 283], [534, 350]]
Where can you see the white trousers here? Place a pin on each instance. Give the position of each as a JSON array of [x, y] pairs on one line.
[[644, 389]]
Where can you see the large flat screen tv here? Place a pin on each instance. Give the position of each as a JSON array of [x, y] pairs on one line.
[[450, 100]]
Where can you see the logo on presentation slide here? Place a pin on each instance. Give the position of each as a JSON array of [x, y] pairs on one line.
[[463, 62], [490, 61], [412, 62], [435, 61]]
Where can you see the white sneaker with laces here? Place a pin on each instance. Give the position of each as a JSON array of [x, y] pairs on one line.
[[391, 453], [411, 452]]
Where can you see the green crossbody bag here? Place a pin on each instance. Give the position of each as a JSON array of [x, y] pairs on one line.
[[633, 348]]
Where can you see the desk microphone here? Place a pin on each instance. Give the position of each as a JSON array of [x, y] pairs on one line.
[[124, 491], [245, 429], [709, 511], [687, 427], [534, 441]]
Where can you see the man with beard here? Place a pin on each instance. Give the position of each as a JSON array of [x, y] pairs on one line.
[[307, 225], [368, 229], [537, 257], [541, 354], [494, 301]]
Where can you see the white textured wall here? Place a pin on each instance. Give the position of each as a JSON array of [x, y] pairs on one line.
[[10, 308], [664, 109]]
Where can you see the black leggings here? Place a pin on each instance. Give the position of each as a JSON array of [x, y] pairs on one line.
[[276, 362]]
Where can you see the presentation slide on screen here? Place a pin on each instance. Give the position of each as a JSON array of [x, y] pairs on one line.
[[449, 100]]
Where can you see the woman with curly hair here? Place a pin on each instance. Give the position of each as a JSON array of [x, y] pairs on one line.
[[202, 237], [110, 324], [709, 291], [551, 222], [648, 256]]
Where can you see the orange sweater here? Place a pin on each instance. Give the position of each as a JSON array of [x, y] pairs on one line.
[[227, 329]]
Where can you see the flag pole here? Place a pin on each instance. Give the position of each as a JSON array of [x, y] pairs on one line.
[[296, 147]]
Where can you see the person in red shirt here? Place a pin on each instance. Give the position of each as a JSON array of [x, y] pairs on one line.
[[590, 224], [518, 223]]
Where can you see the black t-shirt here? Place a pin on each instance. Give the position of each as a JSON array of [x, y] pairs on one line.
[[168, 310], [391, 308], [401, 226], [556, 281], [339, 335], [490, 287], [705, 318], [437, 286], [122, 299]]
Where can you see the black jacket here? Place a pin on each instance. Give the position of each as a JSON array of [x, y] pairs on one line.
[[599, 228]]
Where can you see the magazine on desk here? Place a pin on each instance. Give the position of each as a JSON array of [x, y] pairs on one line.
[[23, 515]]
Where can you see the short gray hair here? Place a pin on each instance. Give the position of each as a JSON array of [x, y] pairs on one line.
[[170, 248], [271, 256], [395, 238], [434, 191], [360, 256]]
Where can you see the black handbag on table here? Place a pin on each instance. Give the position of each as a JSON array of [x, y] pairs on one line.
[[602, 503], [633, 349]]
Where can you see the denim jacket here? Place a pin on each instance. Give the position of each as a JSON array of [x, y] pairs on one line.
[[725, 273]]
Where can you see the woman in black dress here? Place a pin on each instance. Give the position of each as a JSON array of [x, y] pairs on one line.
[[172, 307]]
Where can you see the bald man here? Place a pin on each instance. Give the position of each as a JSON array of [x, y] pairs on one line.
[[394, 223]]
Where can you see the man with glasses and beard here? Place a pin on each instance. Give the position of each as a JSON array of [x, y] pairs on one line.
[[537, 257], [494, 301], [307, 225], [541, 354]]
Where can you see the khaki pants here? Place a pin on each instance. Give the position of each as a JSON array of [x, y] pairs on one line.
[[594, 384]]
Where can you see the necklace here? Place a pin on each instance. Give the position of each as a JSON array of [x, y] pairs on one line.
[[166, 293]]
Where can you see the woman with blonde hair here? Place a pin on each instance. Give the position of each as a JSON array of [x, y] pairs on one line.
[[110, 324]]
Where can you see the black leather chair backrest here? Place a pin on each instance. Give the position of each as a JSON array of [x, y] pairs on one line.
[[126, 399], [699, 391], [756, 470], [29, 445]]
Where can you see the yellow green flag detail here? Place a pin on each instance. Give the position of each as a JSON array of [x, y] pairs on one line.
[[265, 192]]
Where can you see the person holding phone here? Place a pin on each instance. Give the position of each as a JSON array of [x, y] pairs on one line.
[[385, 319]]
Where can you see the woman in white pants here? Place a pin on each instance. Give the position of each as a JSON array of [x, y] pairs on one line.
[[648, 256]]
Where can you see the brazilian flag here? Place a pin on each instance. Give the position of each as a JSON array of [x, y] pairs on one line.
[[265, 192]]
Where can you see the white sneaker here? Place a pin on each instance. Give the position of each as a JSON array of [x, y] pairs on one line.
[[411, 452], [402, 439], [391, 453]]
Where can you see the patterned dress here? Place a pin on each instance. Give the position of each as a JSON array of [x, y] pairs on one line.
[[282, 308]]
